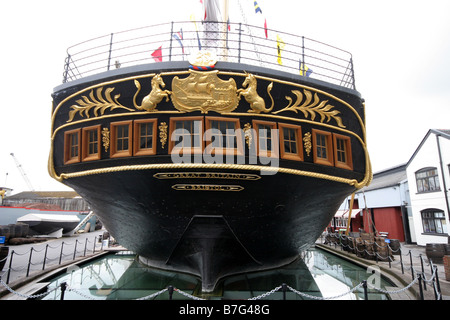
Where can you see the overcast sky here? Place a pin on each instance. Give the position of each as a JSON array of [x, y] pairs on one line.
[[400, 50]]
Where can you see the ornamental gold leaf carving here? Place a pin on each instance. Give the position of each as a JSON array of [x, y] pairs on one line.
[[96, 102], [311, 109]]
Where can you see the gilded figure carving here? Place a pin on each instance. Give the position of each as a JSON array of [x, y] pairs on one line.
[[204, 91], [156, 95], [248, 134], [257, 104]]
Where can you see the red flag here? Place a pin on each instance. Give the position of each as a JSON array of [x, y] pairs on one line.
[[265, 27], [157, 54]]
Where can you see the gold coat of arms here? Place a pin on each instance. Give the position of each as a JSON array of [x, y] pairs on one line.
[[204, 91]]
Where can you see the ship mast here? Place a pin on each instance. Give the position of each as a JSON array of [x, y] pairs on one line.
[[216, 11]]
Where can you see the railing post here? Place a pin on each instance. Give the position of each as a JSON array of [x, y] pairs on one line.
[[438, 284], [60, 255], [353, 73], [401, 261], [66, 68], [170, 289], [239, 43], [110, 50], [10, 265], [85, 247], [63, 290], [95, 241], [419, 275], [75, 251], [45, 257], [423, 271], [366, 295], [284, 289], [170, 46], [303, 65], [411, 264], [29, 262]]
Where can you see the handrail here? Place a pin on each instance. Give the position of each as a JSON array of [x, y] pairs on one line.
[[232, 42]]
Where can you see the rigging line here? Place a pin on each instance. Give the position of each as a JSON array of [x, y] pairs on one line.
[[244, 17]]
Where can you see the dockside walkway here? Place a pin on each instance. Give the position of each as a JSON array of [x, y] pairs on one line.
[[399, 270]]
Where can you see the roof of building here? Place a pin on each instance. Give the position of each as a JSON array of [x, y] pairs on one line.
[[445, 133], [387, 178], [44, 194]]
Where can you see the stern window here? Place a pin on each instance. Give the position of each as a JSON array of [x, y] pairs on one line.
[[72, 146]]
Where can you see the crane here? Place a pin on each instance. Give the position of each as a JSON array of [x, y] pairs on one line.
[[22, 172]]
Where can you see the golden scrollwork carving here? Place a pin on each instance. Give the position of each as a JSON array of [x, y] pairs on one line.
[[97, 102], [105, 138], [156, 95], [204, 91], [307, 143], [312, 108], [163, 134], [257, 104], [248, 134], [206, 187]]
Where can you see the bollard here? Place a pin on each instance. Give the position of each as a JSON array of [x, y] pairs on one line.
[[63, 290], [170, 289], [284, 289]]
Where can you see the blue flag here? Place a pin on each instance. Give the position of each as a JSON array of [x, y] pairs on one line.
[[257, 8]]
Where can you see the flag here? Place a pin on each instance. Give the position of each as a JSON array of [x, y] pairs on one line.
[[179, 37], [280, 47], [257, 8], [265, 28], [196, 30], [304, 70], [157, 54]]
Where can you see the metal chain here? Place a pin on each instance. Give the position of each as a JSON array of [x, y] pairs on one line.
[[24, 295], [187, 294], [266, 294], [153, 295], [325, 298]]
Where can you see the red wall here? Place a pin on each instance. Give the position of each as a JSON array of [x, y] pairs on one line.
[[389, 220]]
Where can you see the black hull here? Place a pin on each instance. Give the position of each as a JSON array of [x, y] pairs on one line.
[[211, 219], [209, 234]]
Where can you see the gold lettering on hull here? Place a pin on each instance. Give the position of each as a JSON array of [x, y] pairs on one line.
[[206, 187], [206, 175]]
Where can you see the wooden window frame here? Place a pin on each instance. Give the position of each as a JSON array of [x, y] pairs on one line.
[[194, 150], [114, 153], [348, 164], [85, 144], [239, 148], [274, 137], [329, 138], [67, 147], [287, 155], [137, 151]]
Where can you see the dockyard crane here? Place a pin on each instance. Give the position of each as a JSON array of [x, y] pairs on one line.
[[22, 172]]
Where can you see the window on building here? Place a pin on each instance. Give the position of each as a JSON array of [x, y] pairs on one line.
[[427, 180], [342, 152], [144, 137], [223, 136], [267, 138], [434, 221], [91, 143], [322, 147], [120, 139], [291, 147], [186, 135], [72, 146]]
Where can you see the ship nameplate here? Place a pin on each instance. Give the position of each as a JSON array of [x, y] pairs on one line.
[[206, 175], [206, 187]]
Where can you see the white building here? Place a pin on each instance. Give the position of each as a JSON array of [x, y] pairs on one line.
[[428, 173]]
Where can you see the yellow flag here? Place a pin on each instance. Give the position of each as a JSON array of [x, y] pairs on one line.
[[280, 47]]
